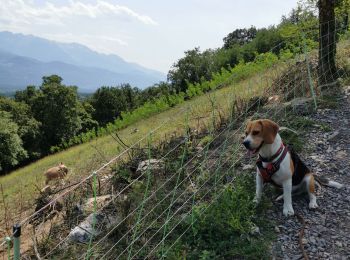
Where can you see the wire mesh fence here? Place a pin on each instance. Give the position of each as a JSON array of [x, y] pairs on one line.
[[142, 202]]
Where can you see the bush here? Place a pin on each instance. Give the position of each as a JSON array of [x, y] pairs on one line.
[[223, 229]]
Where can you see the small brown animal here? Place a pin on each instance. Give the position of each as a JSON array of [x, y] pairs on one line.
[[56, 172]]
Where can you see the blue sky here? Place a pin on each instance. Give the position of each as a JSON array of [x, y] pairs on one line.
[[153, 33]]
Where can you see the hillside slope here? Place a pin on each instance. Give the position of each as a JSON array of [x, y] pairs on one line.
[[83, 159]]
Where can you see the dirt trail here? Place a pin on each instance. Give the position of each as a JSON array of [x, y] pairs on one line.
[[327, 232]]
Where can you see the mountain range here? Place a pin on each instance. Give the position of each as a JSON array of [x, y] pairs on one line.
[[25, 59]]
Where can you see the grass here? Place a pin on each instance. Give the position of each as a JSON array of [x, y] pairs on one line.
[[223, 229], [83, 159], [329, 101]]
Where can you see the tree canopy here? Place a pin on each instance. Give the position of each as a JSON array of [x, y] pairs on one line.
[[240, 37], [11, 149]]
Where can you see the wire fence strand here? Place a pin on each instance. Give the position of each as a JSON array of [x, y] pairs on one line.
[[154, 219]]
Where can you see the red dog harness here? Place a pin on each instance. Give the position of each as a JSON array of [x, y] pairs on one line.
[[272, 167]]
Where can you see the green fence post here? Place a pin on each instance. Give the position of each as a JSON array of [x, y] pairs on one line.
[[16, 241]]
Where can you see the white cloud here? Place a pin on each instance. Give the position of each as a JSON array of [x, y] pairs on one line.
[[21, 12]]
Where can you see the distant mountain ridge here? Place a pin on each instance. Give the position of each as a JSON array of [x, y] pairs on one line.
[[24, 59]]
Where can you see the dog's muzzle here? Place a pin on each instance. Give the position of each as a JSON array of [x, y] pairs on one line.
[[246, 144]]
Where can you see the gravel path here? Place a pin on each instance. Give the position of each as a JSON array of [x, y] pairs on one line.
[[327, 232]]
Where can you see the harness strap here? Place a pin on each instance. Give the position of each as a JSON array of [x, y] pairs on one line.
[[272, 168], [270, 159]]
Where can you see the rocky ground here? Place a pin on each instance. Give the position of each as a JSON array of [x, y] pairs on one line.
[[327, 231]]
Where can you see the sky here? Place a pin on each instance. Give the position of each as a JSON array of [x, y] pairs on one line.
[[152, 33]]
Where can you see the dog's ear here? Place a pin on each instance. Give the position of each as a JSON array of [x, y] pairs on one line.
[[269, 130], [248, 124]]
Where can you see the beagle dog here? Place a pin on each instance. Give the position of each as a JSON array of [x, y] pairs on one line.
[[279, 164]]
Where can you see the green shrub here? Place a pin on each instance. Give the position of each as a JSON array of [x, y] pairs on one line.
[[205, 140], [223, 229]]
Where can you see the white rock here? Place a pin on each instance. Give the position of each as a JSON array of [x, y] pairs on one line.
[[255, 230], [101, 201], [106, 177], [83, 232], [339, 244], [151, 164], [247, 167], [334, 135], [46, 189]]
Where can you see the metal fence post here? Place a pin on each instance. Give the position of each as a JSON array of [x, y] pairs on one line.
[[16, 241]]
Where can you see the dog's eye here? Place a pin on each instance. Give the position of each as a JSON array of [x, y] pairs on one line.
[[255, 132]]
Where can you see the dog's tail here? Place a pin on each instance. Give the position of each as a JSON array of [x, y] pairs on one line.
[[324, 181], [320, 181]]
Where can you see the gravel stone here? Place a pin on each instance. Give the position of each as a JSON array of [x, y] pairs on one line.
[[327, 229]]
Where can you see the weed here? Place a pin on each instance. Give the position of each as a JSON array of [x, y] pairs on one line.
[[328, 101], [223, 229], [293, 139], [205, 140], [299, 123], [325, 127]]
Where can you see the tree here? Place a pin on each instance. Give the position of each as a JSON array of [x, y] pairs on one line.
[[240, 37], [327, 42], [155, 91], [28, 126], [342, 12], [131, 96], [56, 106], [192, 68], [228, 58], [27, 96], [292, 28], [57, 110], [267, 39], [11, 150], [108, 103], [85, 111]]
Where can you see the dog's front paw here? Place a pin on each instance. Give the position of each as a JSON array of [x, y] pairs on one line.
[[288, 210], [313, 205]]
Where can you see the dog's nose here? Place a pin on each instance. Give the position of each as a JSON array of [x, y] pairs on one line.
[[246, 143]]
